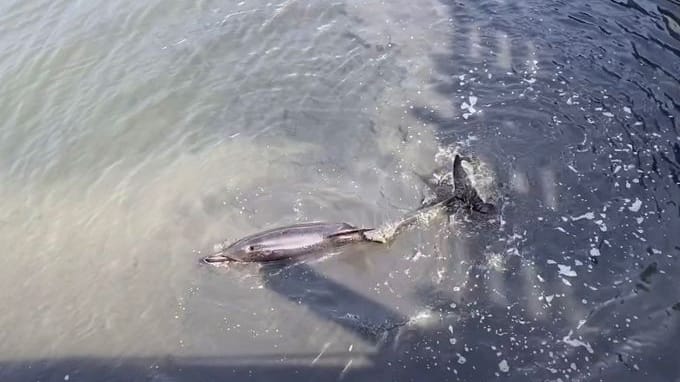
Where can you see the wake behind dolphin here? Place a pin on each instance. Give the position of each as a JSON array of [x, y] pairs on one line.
[[309, 238]]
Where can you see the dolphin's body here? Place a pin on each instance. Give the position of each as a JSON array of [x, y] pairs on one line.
[[290, 242], [309, 238]]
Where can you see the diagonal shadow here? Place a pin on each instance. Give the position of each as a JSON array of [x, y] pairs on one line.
[[330, 300]]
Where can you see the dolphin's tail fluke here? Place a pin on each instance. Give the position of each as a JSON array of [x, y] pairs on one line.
[[464, 194]]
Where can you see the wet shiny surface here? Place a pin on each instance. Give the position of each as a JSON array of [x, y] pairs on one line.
[[138, 134]]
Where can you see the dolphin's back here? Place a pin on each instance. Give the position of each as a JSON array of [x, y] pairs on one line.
[[290, 241]]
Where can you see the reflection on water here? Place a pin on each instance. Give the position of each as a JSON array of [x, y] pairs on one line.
[[134, 136]]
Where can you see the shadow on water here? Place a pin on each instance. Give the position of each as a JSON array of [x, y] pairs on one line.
[[275, 367], [557, 103], [461, 343], [403, 352], [295, 281]]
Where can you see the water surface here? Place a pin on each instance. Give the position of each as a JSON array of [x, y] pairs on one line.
[[136, 135]]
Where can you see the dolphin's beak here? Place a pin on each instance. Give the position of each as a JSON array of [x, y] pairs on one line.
[[218, 258]]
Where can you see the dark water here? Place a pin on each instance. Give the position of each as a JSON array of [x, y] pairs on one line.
[[572, 107], [588, 148]]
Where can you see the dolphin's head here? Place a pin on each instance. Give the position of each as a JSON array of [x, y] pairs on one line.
[[216, 258], [223, 253], [238, 251]]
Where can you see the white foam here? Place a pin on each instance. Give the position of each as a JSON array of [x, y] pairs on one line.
[[566, 270], [587, 215], [576, 343], [470, 107], [423, 318], [561, 230], [503, 366], [635, 207]]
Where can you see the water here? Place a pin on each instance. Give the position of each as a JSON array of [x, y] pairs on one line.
[[137, 135]]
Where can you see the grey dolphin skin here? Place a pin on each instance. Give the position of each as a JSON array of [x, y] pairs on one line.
[[290, 242], [309, 238]]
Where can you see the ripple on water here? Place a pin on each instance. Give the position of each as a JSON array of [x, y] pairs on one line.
[[136, 134]]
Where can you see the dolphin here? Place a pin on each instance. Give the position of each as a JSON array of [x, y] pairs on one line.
[[316, 237], [290, 242]]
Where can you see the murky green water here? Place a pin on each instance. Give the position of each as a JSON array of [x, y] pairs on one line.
[[137, 134]]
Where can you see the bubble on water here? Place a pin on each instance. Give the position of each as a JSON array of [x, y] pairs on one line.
[[635, 207], [503, 366], [461, 359], [566, 270]]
